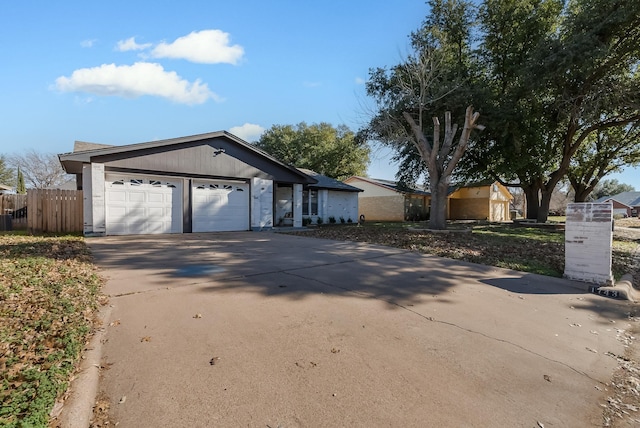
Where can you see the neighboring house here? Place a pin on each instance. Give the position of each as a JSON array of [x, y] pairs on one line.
[[201, 183], [479, 201], [383, 200], [625, 203]]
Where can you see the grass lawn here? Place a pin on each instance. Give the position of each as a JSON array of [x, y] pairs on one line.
[[525, 249], [49, 293]]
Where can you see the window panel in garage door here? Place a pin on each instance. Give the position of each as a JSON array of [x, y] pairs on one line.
[[220, 206]]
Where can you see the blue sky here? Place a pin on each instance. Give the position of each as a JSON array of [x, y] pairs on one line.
[[122, 72]]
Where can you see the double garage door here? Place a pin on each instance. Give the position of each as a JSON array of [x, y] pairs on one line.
[[139, 205]]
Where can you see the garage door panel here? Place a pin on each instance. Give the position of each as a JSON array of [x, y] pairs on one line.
[[137, 196], [157, 198], [142, 205], [220, 206]]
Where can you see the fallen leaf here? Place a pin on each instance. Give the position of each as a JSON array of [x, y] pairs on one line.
[[214, 360], [547, 378], [123, 399], [197, 316], [114, 323], [146, 339]]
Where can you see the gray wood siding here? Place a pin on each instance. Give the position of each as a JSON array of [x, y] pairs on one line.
[[197, 159]]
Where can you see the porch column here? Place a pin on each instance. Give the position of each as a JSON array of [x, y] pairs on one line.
[[261, 204], [297, 205], [323, 202]]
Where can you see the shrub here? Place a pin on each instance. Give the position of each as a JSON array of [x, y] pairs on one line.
[[349, 220], [342, 220], [319, 220], [306, 221], [332, 219]]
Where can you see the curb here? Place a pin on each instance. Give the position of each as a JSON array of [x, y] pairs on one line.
[[622, 289], [77, 411]]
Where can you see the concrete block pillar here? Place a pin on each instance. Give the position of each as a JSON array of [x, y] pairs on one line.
[[323, 204], [589, 242]]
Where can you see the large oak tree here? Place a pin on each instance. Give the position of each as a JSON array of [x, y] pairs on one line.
[[559, 74]]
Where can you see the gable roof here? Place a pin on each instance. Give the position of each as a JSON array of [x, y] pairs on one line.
[[89, 152], [630, 199], [388, 184], [83, 146], [325, 182], [395, 186], [484, 183]]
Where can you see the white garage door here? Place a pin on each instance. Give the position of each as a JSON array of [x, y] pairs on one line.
[[137, 205], [220, 206]]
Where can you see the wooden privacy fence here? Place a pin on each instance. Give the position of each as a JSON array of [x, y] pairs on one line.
[[54, 211]]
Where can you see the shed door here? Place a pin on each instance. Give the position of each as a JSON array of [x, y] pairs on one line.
[[220, 206], [140, 205]]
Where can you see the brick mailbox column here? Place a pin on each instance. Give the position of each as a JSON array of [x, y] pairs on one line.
[[588, 243]]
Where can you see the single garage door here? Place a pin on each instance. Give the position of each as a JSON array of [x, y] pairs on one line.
[[220, 206], [137, 205]]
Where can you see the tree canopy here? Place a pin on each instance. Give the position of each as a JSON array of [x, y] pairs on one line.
[[327, 150], [6, 174], [604, 152], [550, 77], [41, 170], [559, 74]]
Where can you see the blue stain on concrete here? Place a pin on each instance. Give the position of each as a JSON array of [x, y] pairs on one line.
[[199, 270]]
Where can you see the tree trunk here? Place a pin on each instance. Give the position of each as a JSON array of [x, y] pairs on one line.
[[543, 209], [532, 196], [581, 193], [442, 158], [438, 216]]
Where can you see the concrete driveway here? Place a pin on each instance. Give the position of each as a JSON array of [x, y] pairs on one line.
[[273, 330]]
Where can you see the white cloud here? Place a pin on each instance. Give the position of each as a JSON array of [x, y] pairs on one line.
[[360, 81], [132, 81], [207, 46], [248, 131], [312, 84], [88, 43], [131, 45]]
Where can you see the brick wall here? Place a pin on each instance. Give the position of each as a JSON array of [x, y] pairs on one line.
[[469, 209], [381, 208]]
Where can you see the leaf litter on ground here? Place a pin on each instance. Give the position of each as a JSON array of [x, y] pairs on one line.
[[49, 295]]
